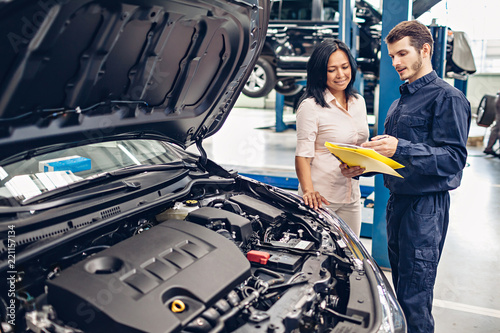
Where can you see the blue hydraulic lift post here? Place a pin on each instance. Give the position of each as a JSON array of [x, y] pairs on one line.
[[393, 12], [278, 108], [461, 85], [346, 9], [440, 36]]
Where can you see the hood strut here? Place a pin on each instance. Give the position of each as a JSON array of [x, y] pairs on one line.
[[203, 153]]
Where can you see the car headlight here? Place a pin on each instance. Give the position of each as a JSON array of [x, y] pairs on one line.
[[393, 319]]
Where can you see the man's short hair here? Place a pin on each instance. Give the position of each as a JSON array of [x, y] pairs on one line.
[[419, 34]]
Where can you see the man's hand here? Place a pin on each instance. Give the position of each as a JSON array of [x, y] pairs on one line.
[[385, 145], [313, 199], [350, 172]]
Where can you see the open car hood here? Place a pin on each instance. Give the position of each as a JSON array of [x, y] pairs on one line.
[[85, 70]]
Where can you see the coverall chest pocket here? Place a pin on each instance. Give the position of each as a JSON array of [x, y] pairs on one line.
[[412, 128]]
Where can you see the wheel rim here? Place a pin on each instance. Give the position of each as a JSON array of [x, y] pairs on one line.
[[257, 79]]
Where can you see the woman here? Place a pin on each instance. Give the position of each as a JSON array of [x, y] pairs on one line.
[[332, 111]]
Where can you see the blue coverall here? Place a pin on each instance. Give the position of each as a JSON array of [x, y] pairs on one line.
[[431, 120]]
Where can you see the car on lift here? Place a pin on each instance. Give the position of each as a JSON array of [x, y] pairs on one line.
[[295, 28], [109, 224]]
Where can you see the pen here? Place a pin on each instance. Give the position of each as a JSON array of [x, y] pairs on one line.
[[383, 137]]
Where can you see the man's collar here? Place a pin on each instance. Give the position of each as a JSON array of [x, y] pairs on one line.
[[417, 84]]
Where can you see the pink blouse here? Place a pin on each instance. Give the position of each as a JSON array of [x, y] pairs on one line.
[[315, 125]]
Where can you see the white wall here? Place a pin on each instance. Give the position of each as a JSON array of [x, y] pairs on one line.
[[479, 85]]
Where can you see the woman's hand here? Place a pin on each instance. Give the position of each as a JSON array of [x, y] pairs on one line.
[[350, 172], [313, 199]]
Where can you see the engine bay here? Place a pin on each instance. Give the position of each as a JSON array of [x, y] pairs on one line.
[[221, 258]]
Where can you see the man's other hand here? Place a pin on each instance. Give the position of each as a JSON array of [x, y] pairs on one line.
[[385, 145]]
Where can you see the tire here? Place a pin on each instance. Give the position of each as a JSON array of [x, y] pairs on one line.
[[486, 111], [261, 81], [288, 87]]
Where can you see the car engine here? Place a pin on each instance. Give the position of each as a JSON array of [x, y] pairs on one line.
[[220, 258]]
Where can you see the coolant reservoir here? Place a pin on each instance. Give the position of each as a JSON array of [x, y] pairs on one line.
[[179, 211]]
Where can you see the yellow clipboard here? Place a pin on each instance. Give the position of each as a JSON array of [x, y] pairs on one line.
[[365, 158]]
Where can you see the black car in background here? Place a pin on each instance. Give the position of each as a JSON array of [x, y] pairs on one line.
[[107, 222], [295, 28]]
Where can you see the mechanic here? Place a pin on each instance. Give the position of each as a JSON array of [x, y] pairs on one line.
[[426, 130]]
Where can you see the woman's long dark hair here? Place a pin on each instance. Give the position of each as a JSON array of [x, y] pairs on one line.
[[317, 71]]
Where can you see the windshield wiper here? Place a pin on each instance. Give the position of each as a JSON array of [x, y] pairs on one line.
[[103, 177], [29, 204], [145, 168], [72, 199]]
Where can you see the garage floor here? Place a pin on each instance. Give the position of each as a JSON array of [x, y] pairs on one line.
[[467, 291]]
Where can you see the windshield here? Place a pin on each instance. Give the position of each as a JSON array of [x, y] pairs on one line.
[[28, 178]]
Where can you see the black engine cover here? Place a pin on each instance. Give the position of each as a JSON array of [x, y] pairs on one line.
[[130, 287]]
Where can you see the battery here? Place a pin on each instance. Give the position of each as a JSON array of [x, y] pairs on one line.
[[281, 261], [260, 257], [294, 243]]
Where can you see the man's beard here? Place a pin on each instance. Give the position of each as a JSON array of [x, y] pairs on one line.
[[415, 67]]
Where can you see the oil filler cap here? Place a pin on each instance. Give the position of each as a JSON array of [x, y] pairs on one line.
[[178, 306]]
